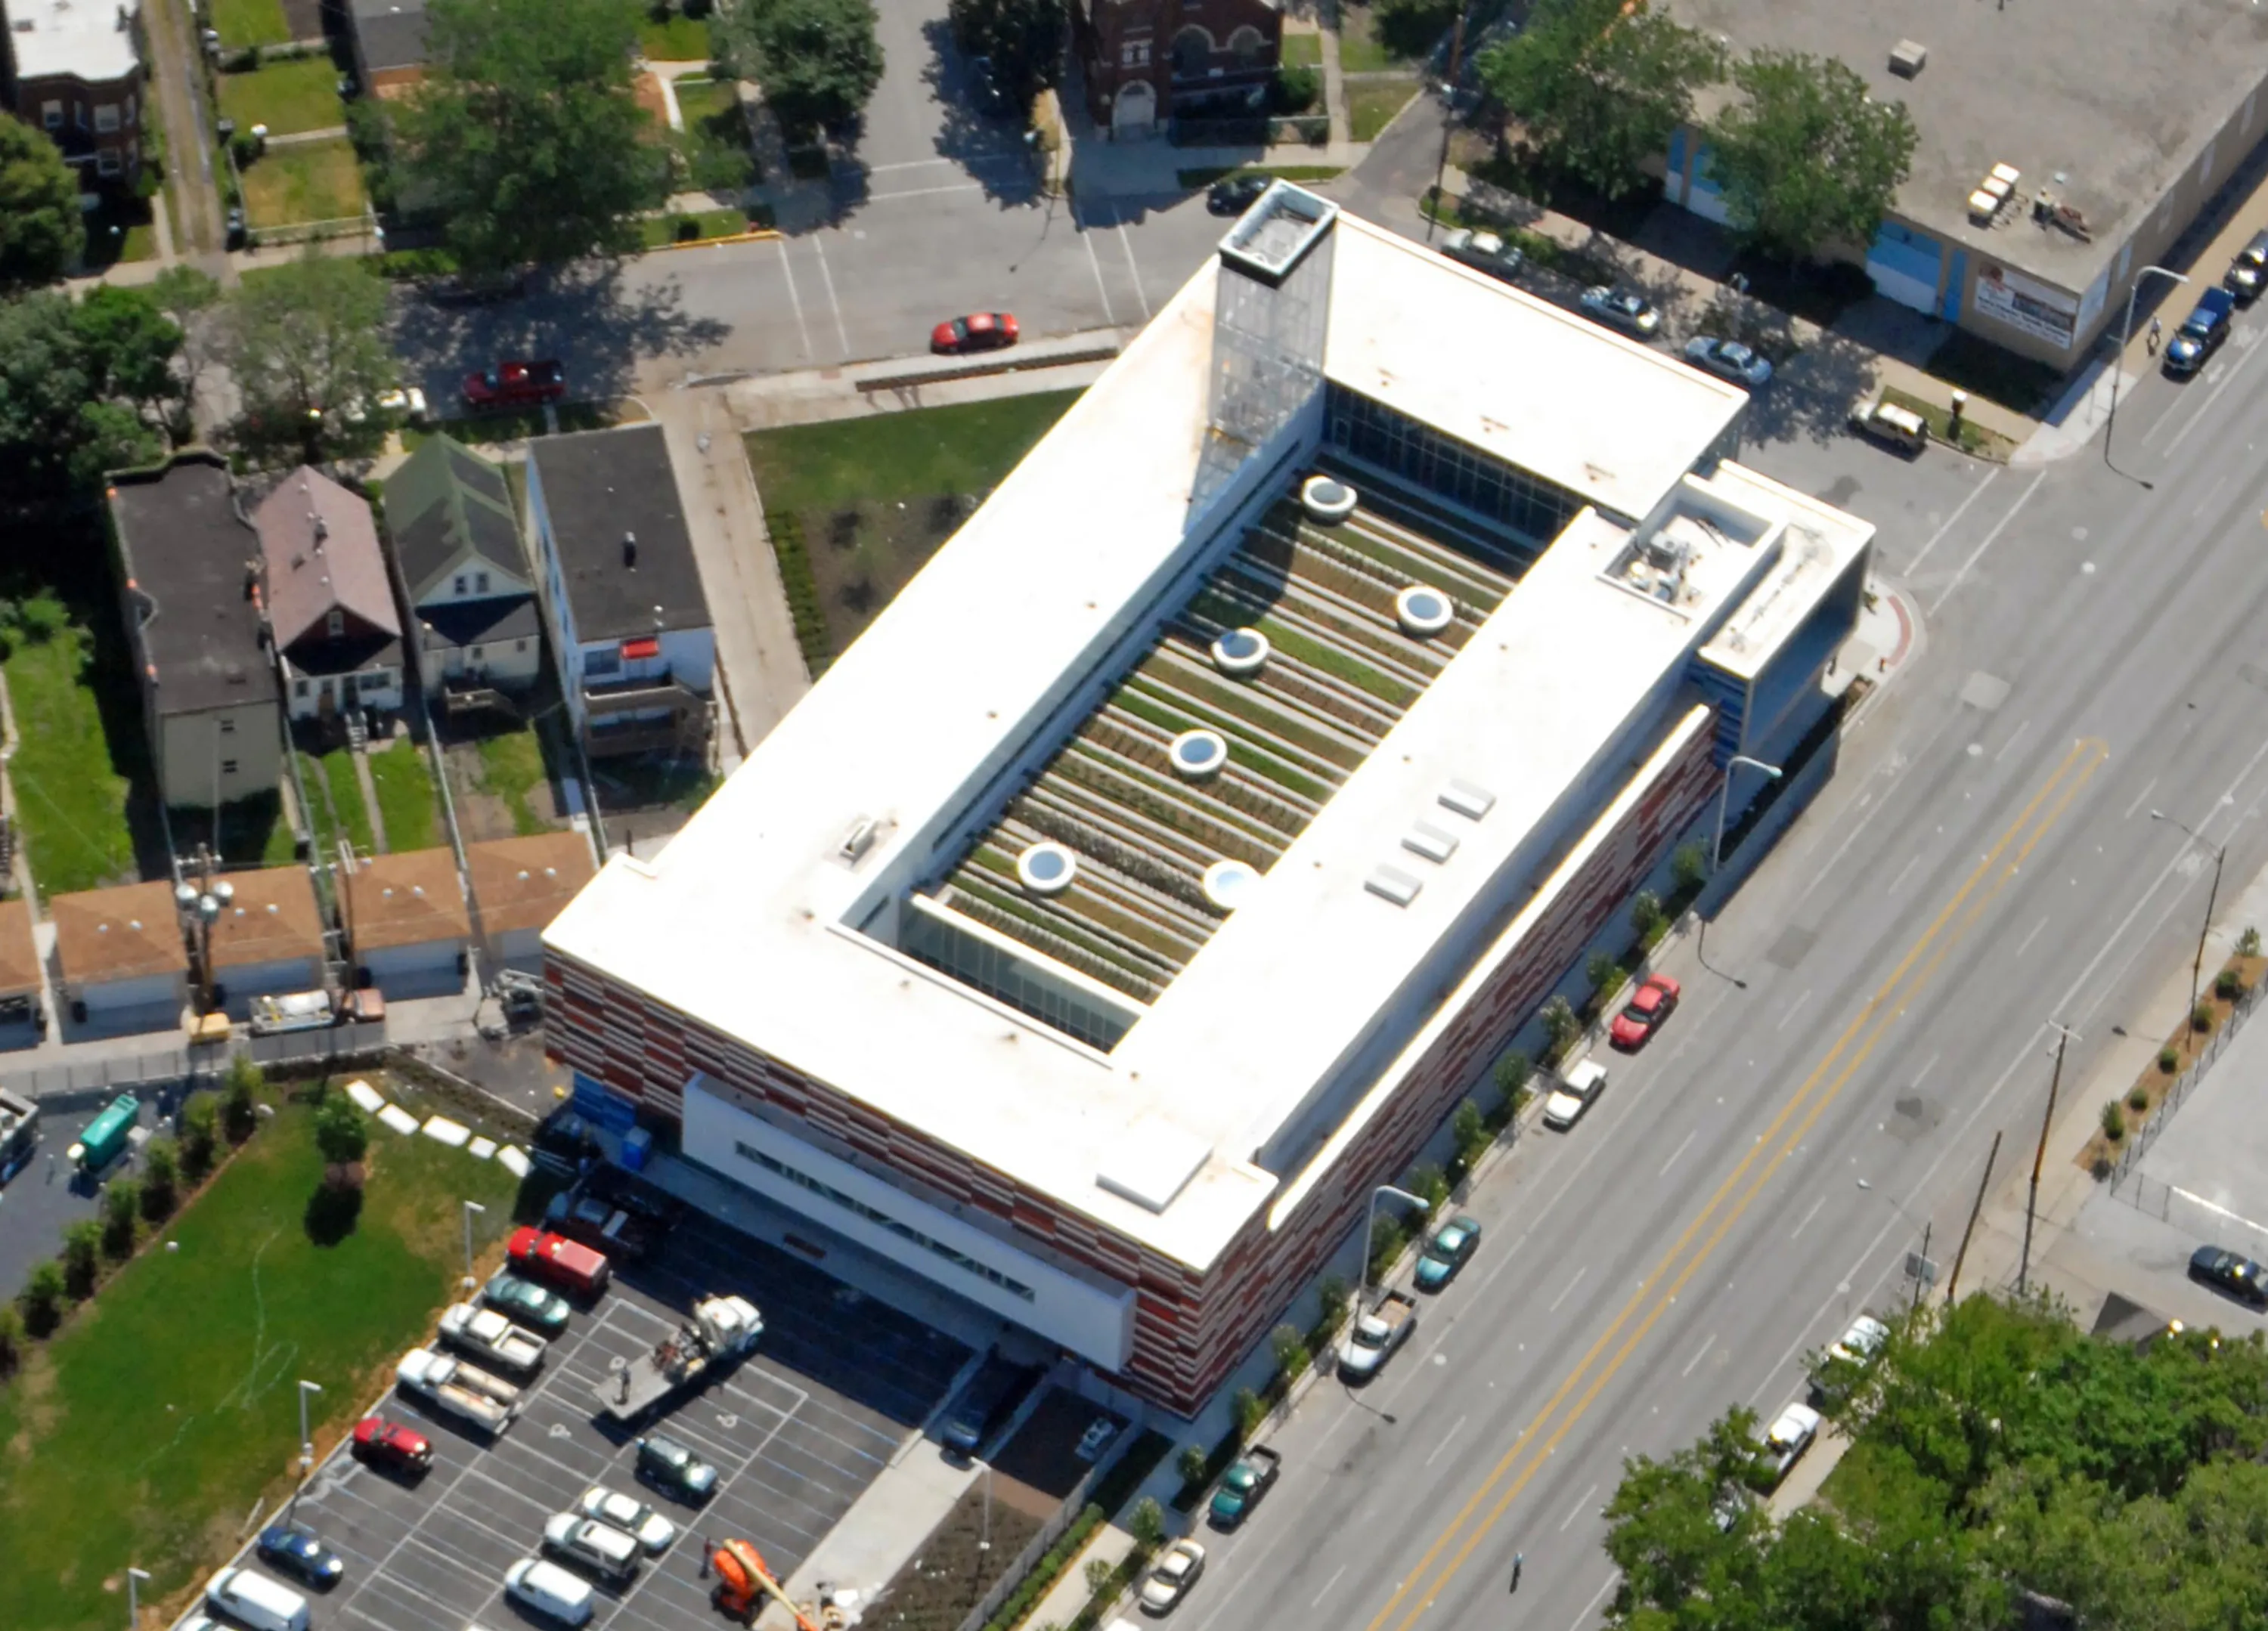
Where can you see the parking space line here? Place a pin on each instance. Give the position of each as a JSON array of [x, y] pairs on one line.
[[1134, 271], [1087, 238], [730, 1482], [795, 300], [827, 278]]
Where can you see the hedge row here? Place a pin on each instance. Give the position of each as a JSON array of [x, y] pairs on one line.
[[786, 528], [1043, 1573]]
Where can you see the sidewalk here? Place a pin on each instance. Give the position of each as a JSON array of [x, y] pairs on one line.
[[857, 390]]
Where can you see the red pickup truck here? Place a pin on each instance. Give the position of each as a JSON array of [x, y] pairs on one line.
[[566, 1263], [517, 384]]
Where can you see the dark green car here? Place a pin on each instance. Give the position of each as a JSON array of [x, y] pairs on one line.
[[529, 1304], [1446, 1252], [670, 1467], [1247, 1479]]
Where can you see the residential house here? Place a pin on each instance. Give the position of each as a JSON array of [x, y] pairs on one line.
[[74, 69], [121, 961], [389, 44], [20, 1013], [338, 639], [621, 591], [462, 572], [519, 885], [1147, 61], [189, 564], [267, 937], [407, 923]]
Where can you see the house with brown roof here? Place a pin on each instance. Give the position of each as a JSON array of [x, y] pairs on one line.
[[21, 1015], [407, 924], [267, 937], [519, 885], [120, 960], [330, 605]]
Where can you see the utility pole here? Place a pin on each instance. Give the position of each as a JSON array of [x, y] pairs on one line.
[[1921, 1267], [1953, 1285], [2039, 1157], [1448, 119]]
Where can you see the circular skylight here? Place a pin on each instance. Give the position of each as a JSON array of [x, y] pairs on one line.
[[1327, 500], [1229, 884], [1241, 652], [1046, 869], [1423, 610], [1197, 754]]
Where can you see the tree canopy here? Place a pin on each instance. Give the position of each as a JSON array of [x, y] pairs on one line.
[[1023, 39], [1806, 158], [1597, 93], [306, 343], [818, 60], [525, 139], [41, 232], [1998, 1454], [85, 387]]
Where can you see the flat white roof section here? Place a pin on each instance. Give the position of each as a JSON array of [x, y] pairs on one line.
[[90, 39], [1534, 714]]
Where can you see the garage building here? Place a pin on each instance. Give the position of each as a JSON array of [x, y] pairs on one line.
[[267, 939], [407, 924], [520, 885], [120, 958]]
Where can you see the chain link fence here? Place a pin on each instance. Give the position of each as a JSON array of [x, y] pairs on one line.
[[2139, 1146], [62, 1087]]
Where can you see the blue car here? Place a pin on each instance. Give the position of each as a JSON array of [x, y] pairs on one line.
[[2201, 333], [1445, 1252], [294, 1549]]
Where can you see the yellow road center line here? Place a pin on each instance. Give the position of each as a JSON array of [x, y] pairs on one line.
[[2089, 750]]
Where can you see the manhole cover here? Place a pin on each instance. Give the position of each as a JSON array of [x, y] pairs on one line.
[[1792, 946]]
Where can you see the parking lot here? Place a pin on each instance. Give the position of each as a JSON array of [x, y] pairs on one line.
[[796, 1434]]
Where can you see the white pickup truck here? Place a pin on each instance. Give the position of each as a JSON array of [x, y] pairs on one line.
[[464, 1390], [487, 1335], [1375, 1335]]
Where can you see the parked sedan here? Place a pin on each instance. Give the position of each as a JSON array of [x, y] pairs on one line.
[[1445, 1252], [2228, 1271], [2201, 333], [629, 1515], [1650, 1004], [1729, 359], [1622, 308], [529, 1304], [1234, 195], [382, 1443], [980, 331], [1484, 251], [294, 1549], [670, 1467], [1785, 1444], [2248, 274], [1176, 1573]]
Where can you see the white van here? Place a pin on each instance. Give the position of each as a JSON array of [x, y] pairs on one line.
[[256, 1601], [549, 1589]]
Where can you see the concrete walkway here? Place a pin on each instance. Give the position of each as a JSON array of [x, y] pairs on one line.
[[369, 785]]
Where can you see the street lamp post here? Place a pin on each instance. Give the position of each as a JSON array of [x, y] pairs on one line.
[[2125, 337], [1370, 1227], [2212, 899], [473, 1208], [1920, 1259], [134, 1578], [1725, 800], [307, 1449]]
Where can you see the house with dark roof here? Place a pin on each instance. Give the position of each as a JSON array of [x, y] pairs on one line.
[[329, 606], [389, 44], [462, 572], [189, 562], [621, 594]]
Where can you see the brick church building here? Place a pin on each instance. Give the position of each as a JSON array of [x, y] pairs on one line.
[[1148, 59]]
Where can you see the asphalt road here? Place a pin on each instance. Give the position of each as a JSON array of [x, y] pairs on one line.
[[1874, 1006]]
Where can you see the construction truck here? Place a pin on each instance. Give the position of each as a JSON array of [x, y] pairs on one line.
[[722, 1330], [743, 1583]]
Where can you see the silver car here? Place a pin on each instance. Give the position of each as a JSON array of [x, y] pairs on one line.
[[1729, 359]]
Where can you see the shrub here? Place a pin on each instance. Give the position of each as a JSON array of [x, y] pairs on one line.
[[803, 606], [1100, 1573], [1250, 1412], [685, 228], [2201, 1018], [1191, 1464], [43, 1297], [11, 1337], [1290, 1348], [1511, 1073], [1469, 1130], [1429, 1183], [161, 1179], [2138, 1098], [2227, 984], [1146, 1523], [2114, 1122], [1333, 1293], [2248, 943], [1293, 90], [1560, 1024], [240, 1097], [121, 1209], [1648, 916], [342, 1130], [199, 1121], [2169, 1060], [1689, 868], [82, 1257]]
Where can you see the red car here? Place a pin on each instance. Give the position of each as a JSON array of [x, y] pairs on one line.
[[1649, 1005], [568, 1264], [517, 384], [389, 1443], [983, 331]]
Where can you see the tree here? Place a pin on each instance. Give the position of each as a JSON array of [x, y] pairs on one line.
[[131, 342], [82, 1256], [303, 343], [241, 1097], [525, 137], [342, 1130], [1560, 1024], [1024, 40], [11, 1337], [44, 1291], [1146, 1523], [1597, 87], [200, 1134], [817, 60], [1192, 1464], [122, 1211], [59, 430], [42, 232], [161, 1178], [1807, 159]]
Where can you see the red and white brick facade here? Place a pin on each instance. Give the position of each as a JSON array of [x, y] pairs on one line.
[[1191, 1325]]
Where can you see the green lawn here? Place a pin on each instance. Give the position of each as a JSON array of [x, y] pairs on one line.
[[1302, 51], [286, 97], [248, 22], [1192, 180], [336, 803], [313, 181], [675, 38], [659, 230], [512, 770], [251, 830], [1371, 108], [1411, 34], [150, 1426], [70, 795], [699, 100], [407, 804]]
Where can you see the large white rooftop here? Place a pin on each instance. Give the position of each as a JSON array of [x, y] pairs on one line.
[[91, 40], [750, 922]]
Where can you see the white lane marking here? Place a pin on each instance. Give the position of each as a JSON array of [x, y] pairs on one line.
[[1582, 1505], [1087, 238], [1134, 271], [2212, 493], [1895, 768], [1694, 1363], [1448, 1438], [1991, 537], [2205, 407], [1975, 493], [2138, 797], [2219, 1212], [1904, 872], [1808, 1217], [1922, 1075], [1793, 1009], [925, 192], [2034, 934], [1327, 1584], [827, 278], [1680, 1150], [795, 300], [1583, 1621], [1570, 1291], [2011, 742]]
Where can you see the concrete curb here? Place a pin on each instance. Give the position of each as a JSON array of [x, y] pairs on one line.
[[753, 235]]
